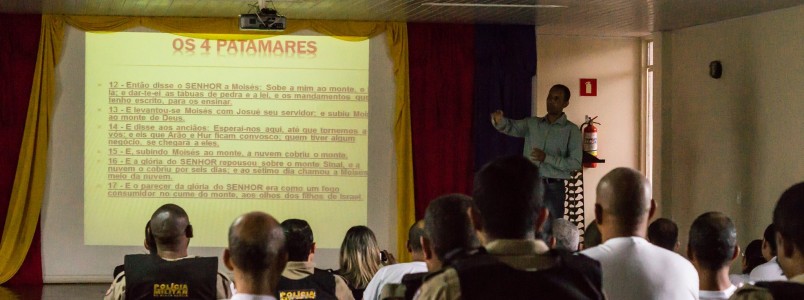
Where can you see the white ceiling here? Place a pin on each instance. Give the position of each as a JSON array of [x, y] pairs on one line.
[[580, 17]]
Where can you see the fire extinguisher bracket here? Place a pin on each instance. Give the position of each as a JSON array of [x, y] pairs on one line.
[[589, 158]]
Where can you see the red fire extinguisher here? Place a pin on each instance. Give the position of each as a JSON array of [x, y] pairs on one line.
[[590, 139]]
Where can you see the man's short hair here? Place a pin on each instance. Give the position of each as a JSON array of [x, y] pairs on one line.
[[447, 225], [753, 256], [168, 224], [563, 88], [713, 239], [298, 239], [566, 234], [253, 247], [787, 217], [415, 232], [770, 236], [663, 233], [508, 193]]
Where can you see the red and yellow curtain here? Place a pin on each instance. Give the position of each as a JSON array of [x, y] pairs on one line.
[[28, 186], [447, 82]]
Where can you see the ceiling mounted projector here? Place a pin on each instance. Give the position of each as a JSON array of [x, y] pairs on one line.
[[266, 19]]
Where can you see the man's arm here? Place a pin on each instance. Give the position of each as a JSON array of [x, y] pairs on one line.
[[515, 128], [374, 286], [342, 291], [118, 289], [444, 286], [750, 292], [573, 161]]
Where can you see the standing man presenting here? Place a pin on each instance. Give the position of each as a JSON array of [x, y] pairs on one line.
[[552, 142]]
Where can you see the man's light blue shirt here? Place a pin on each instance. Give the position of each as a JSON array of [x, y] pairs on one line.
[[560, 141]]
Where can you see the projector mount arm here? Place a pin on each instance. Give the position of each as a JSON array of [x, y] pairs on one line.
[[266, 14]]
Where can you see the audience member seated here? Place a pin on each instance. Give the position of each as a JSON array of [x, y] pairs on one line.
[[769, 271], [664, 233], [591, 237], [394, 273], [565, 235], [448, 236], [359, 259], [448, 232], [257, 255], [300, 274], [752, 257], [171, 272], [508, 214], [633, 268], [712, 248], [789, 238]]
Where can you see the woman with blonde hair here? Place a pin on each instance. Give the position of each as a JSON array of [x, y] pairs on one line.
[[360, 258]]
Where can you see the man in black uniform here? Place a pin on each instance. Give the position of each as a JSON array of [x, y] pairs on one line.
[[448, 237], [171, 272], [512, 264], [448, 233], [301, 278]]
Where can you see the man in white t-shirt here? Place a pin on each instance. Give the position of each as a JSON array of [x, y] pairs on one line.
[[769, 271], [632, 267], [394, 273], [712, 248]]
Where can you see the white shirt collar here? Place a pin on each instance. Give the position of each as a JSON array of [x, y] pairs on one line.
[[724, 294], [252, 297]]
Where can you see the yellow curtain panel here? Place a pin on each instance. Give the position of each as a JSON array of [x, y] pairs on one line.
[[26, 197]]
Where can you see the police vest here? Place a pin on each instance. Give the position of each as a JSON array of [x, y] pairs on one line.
[[149, 277], [319, 285], [783, 289], [570, 277], [414, 281]]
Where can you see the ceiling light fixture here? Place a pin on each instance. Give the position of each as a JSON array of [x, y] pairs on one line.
[[492, 5]]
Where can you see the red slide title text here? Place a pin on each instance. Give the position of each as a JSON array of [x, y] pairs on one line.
[[263, 46]]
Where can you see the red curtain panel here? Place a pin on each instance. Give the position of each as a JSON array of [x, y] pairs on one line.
[[19, 42], [441, 74]]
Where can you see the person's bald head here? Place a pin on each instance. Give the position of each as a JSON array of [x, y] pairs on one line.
[[257, 246], [170, 228], [624, 196]]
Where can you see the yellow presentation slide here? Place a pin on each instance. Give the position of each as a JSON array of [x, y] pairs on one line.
[[221, 127]]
